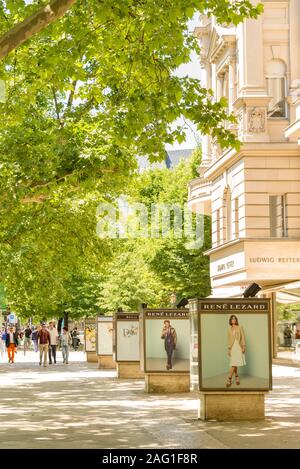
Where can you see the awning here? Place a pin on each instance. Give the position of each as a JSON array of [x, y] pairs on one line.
[[285, 294], [288, 297]]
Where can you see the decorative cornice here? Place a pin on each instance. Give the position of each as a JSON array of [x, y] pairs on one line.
[[231, 156], [251, 100]]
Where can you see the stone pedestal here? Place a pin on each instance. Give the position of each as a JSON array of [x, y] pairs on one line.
[[129, 370], [232, 406], [91, 357], [167, 382], [107, 362]]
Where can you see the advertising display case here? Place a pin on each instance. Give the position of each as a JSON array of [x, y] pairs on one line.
[[233, 349], [105, 342], [127, 344], [104, 335], [90, 339], [165, 349], [127, 335]]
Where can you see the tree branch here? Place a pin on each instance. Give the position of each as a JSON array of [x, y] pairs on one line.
[[33, 25], [71, 95], [56, 104], [40, 198], [85, 108]]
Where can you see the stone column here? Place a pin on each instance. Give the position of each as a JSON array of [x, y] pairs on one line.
[[294, 42], [250, 34], [205, 78], [294, 59], [232, 81], [220, 79]]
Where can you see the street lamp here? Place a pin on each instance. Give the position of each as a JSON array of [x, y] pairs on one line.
[[173, 299]]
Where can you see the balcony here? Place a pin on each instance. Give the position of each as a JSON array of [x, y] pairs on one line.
[[200, 196]]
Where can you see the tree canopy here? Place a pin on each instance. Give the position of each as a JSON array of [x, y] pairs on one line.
[[85, 96], [148, 270]]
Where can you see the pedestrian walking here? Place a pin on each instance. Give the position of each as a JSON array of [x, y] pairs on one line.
[[65, 341], [44, 342], [287, 333], [34, 338], [21, 338], [53, 342], [11, 344], [27, 338], [3, 342], [75, 339]]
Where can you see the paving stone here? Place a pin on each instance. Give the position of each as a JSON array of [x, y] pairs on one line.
[[80, 406]]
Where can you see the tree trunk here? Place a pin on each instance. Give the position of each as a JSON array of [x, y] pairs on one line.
[[66, 319], [33, 25], [59, 324]]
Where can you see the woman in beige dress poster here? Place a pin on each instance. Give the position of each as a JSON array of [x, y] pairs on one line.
[[236, 349]]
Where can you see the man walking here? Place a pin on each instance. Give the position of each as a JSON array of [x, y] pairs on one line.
[[53, 342], [44, 342], [11, 344], [27, 338], [170, 337]]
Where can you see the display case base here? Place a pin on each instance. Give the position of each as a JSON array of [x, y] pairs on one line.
[[91, 357], [131, 370], [231, 406], [167, 382], [107, 362]]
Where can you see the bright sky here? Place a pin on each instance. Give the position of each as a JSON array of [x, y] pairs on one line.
[[191, 69]]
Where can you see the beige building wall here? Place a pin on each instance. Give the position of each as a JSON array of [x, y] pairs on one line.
[[254, 194]]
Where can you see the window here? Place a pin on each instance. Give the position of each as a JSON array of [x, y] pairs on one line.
[[227, 218], [278, 216], [276, 88], [218, 226], [277, 105]]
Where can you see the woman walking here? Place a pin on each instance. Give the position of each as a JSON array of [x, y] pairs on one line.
[[236, 349], [65, 340]]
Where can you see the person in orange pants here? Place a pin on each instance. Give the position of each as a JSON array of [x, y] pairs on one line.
[[11, 344]]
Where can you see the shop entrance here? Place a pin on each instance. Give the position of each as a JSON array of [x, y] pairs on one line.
[[288, 324]]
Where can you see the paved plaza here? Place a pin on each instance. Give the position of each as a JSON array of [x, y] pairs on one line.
[[80, 406]]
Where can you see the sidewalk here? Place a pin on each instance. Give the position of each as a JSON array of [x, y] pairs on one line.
[[288, 358], [80, 406]]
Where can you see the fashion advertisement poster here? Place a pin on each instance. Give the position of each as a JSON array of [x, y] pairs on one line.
[[127, 339], [167, 342], [104, 336], [90, 335], [235, 349]]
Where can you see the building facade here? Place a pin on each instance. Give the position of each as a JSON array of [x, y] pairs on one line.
[[253, 195]]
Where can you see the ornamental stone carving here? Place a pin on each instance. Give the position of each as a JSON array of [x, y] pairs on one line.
[[240, 123], [257, 121]]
